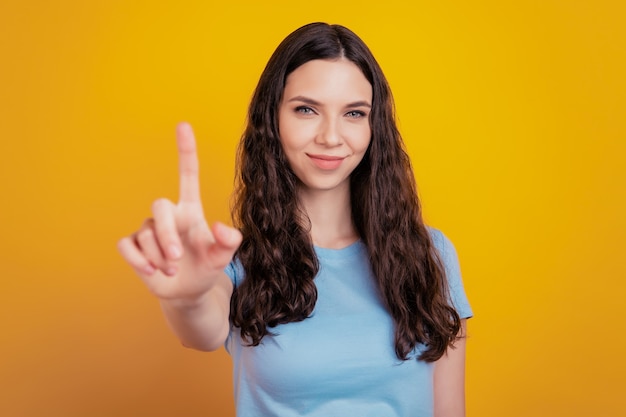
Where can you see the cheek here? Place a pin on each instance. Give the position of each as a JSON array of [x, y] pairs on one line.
[[288, 137], [285, 132], [361, 137], [295, 134]]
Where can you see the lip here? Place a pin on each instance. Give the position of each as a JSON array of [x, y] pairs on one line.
[[326, 162]]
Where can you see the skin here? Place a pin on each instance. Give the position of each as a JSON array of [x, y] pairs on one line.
[[325, 132], [449, 379]]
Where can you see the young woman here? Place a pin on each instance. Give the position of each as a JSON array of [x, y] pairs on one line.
[[331, 295]]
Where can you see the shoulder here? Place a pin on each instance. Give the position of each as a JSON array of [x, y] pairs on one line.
[[441, 242], [450, 261], [445, 249]]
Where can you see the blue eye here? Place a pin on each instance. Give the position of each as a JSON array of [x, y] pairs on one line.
[[355, 114], [304, 110]]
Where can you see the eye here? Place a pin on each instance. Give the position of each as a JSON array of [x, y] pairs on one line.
[[355, 114], [304, 110]]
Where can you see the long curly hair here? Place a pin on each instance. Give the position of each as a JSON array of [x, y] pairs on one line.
[[277, 252]]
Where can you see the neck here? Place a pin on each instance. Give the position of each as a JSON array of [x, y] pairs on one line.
[[331, 217]]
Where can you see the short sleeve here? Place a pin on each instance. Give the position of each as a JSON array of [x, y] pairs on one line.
[[235, 271], [450, 260]]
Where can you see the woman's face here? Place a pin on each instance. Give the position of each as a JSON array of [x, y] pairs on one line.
[[323, 121]]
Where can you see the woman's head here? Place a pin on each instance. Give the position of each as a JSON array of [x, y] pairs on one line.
[[323, 121], [315, 41]]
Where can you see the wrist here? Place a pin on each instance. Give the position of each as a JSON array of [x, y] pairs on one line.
[[184, 304]]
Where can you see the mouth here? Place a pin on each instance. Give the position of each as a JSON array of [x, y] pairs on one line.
[[326, 162]]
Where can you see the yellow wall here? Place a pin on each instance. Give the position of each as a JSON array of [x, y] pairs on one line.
[[514, 116]]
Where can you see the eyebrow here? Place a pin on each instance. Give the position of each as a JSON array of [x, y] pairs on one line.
[[307, 100]]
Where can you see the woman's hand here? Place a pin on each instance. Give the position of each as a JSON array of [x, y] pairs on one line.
[[176, 254]]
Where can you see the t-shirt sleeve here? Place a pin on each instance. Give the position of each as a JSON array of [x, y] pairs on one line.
[[234, 270], [453, 273]]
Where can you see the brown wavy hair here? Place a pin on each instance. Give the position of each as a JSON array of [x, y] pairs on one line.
[[277, 252]]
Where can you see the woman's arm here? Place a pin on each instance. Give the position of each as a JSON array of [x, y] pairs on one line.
[[182, 260], [202, 324], [449, 379]]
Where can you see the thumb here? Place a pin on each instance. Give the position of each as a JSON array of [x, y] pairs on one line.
[[227, 240]]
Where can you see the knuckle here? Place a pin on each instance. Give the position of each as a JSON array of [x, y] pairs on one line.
[[121, 245], [159, 204], [145, 236], [135, 255], [126, 247], [140, 266], [147, 224]]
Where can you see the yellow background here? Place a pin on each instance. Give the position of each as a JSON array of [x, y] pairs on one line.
[[513, 113]]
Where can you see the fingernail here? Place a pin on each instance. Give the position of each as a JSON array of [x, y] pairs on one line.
[[149, 269], [175, 251], [171, 271]]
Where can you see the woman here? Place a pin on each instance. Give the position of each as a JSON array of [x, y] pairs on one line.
[[331, 295]]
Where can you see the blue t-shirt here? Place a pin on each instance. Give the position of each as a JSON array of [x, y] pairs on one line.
[[340, 361]]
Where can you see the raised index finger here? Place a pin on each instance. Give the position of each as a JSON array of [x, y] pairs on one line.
[[187, 164]]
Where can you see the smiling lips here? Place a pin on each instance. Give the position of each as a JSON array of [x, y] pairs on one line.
[[326, 162]]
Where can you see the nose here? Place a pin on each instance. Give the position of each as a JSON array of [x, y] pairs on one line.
[[329, 133]]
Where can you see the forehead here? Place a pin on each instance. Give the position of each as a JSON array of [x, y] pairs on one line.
[[337, 79]]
